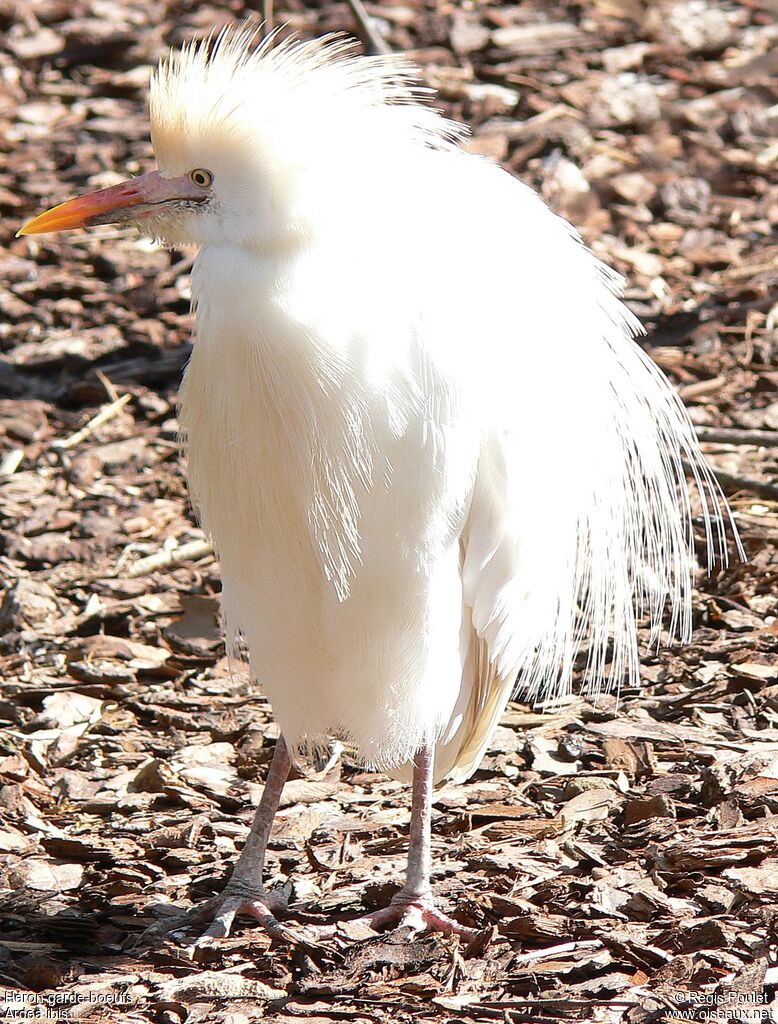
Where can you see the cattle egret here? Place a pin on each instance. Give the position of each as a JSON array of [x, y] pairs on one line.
[[432, 459]]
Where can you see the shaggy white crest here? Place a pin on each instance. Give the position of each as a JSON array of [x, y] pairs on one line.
[[433, 460], [233, 82], [278, 122]]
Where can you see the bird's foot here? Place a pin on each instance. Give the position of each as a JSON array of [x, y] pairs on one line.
[[415, 914], [418, 914], [222, 910], [240, 897]]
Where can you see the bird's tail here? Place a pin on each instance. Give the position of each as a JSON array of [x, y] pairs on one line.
[[581, 520]]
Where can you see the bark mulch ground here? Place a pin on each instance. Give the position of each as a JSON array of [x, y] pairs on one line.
[[621, 861]]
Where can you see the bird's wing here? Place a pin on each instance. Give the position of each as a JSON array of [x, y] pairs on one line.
[[459, 754], [580, 518]]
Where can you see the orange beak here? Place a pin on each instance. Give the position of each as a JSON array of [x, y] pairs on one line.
[[125, 203]]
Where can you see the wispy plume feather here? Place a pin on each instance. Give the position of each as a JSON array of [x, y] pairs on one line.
[[448, 464]]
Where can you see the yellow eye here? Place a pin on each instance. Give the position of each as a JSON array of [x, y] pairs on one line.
[[200, 177]]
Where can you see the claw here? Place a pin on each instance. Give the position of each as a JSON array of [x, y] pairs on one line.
[[220, 911], [228, 909], [418, 914]]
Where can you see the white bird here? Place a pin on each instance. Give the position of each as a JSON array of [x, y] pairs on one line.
[[432, 459]]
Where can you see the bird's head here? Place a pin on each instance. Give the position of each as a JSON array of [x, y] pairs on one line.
[[253, 142]]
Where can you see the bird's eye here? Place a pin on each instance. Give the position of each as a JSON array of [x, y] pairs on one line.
[[200, 177]]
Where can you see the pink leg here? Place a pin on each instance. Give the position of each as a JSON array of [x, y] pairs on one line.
[[244, 892], [414, 907]]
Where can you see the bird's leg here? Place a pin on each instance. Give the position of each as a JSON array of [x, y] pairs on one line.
[[417, 874], [414, 907], [244, 892]]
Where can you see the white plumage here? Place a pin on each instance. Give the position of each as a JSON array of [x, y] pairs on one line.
[[432, 458]]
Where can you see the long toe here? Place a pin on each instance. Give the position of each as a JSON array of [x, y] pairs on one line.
[[229, 907], [419, 915], [217, 917]]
